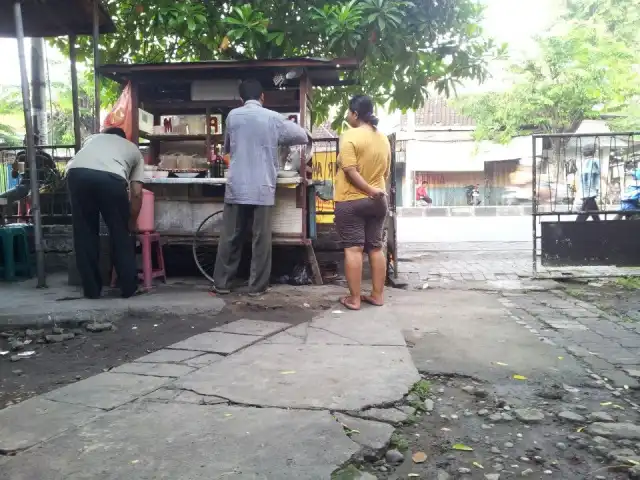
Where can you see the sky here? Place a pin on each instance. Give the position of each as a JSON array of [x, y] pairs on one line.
[[511, 21]]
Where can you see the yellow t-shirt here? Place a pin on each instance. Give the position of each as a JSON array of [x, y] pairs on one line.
[[370, 152]]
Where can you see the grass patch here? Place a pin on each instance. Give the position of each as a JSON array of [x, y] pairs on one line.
[[350, 472], [630, 283], [421, 389], [399, 442]]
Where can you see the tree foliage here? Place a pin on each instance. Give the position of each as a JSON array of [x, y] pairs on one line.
[[10, 103], [404, 46], [581, 71]]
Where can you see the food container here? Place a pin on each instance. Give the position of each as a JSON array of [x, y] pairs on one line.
[[169, 162], [185, 162], [160, 174]]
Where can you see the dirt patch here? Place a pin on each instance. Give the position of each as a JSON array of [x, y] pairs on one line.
[[87, 354], [467, 430]]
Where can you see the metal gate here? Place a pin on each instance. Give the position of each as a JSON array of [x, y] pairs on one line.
[[391, 228], [578, 184]]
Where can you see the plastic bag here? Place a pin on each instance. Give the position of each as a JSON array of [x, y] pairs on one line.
[[300, 275], [122, 115]]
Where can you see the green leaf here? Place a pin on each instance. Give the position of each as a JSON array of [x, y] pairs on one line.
[[462, 447]]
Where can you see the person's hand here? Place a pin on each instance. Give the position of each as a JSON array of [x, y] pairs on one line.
[[377, 193]]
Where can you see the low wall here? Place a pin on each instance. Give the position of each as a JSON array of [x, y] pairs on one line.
[[482, 211]]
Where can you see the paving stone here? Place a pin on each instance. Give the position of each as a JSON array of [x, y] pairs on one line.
[[177, 441], [601, 417], [633, 373], [529, 415], [107, 390], [203, 360], [571, 417], [374, 436], [154, 369], [352, 377], [618, 379], [168, 356], [37, 420], [216, 342], [616, 431], [259, 328]]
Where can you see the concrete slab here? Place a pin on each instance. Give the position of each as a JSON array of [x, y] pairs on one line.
[[372, 435], [369, 326], [334, 377], [252, 327], [24, 305], [477, 337], [192, 442], [296, 335], [216, 342], [154, 369], [166, 355], [202, 360], [107, 390], [37, 420]]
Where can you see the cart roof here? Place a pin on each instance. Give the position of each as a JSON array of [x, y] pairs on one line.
[[53, 18], [322, 72]]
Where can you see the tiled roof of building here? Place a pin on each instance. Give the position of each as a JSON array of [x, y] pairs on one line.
[[436, 112]]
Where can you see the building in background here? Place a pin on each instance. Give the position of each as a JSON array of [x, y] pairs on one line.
[[436, 146]]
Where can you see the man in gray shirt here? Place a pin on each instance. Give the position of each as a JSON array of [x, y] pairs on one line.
[[252, 136], [99, 177]]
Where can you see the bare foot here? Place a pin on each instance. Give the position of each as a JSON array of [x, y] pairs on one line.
[[371, 300], [350, 303]]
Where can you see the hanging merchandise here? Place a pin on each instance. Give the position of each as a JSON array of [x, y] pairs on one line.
[[121, 114]]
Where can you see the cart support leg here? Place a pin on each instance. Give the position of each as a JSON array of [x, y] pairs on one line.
[[313, 262]]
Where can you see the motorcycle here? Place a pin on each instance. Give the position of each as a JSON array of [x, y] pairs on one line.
[[630, 202], [473, 195]]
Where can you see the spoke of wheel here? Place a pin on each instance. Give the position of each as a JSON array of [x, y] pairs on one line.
[[204, 250]]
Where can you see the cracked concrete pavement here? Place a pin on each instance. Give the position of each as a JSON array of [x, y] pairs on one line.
[[256, 399], [231, 391]]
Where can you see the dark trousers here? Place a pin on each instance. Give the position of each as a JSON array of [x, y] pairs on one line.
[[237, 220], [588, 204], [94, 193]]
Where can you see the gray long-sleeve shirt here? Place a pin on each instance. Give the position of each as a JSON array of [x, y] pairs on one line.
[[252, 136]]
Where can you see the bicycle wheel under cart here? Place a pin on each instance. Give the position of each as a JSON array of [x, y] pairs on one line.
[[204, 244]]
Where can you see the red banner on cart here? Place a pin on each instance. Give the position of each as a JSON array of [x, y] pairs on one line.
[[121, 115]]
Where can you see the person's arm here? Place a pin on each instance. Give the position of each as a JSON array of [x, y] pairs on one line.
[[349, 165], [290, 133], [135, 191]]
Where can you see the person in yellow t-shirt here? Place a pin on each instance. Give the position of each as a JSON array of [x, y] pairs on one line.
[[361, 200]]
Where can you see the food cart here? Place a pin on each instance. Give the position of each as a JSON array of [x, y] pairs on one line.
[[181, 108]]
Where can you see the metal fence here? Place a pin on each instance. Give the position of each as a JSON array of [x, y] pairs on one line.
[[54, 198], [579, 182]]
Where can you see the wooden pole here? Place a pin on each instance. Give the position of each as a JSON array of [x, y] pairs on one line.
[[74, 93], [31, 151]]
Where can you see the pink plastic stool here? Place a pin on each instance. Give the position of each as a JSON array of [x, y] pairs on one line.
[[148, 273]]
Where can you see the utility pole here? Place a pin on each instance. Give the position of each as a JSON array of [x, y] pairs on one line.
[[38, 92]]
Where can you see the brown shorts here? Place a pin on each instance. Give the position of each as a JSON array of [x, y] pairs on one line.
[[360, 223]]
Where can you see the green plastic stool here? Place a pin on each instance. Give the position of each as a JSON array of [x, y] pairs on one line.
[[14, 249]]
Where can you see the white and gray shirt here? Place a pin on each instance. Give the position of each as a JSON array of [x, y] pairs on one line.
[[110, 153], [252, 136]]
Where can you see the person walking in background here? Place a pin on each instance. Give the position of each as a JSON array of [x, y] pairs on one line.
[[422, 197], [361, 200], [252, 136], [99, 178], [589, 184]]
